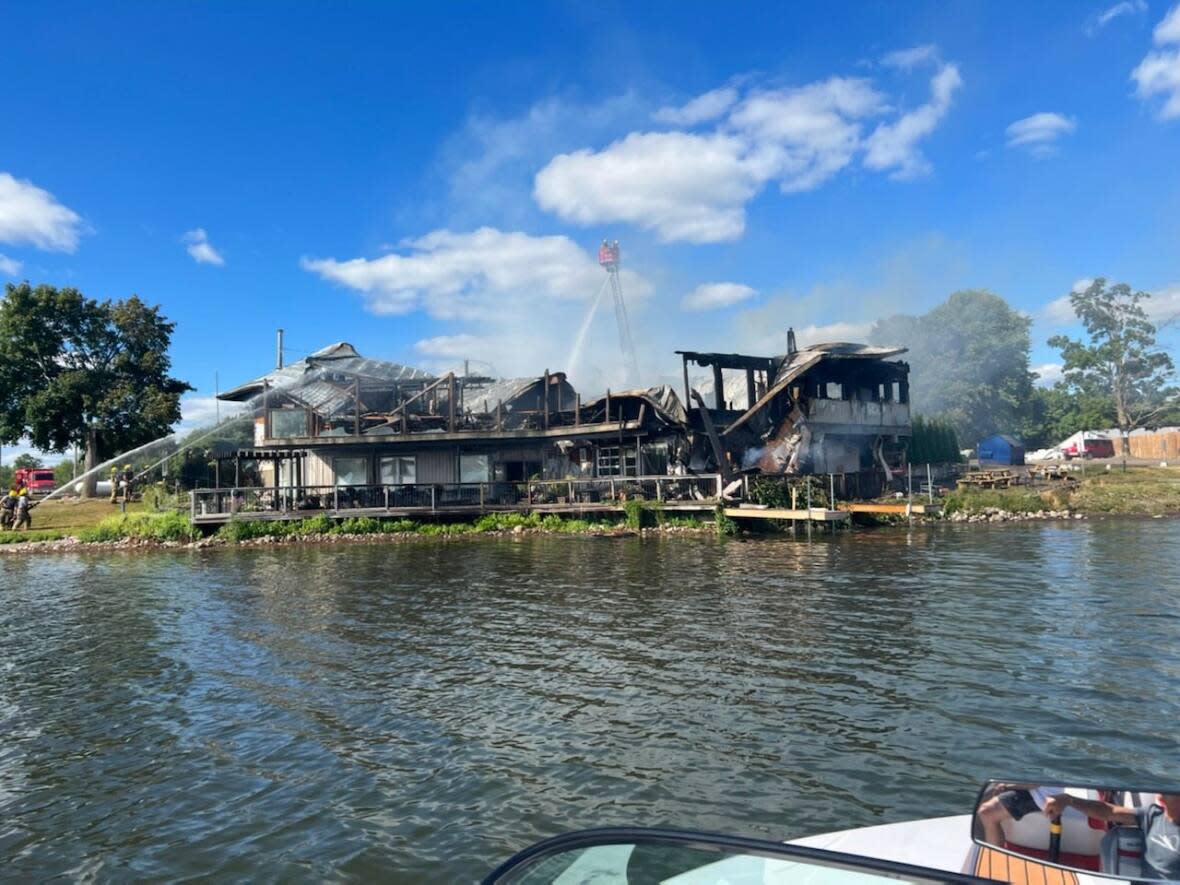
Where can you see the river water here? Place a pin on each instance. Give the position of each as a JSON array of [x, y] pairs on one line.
[[419, 711]]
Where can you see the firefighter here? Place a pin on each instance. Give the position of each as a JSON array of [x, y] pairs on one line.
[[24, 519], [127, 480], [8, 509], [114, 485]]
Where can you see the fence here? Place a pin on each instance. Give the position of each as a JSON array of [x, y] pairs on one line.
[[1163, 445], [290, 502]]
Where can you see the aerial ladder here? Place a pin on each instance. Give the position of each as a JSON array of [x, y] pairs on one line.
[[608, 257]]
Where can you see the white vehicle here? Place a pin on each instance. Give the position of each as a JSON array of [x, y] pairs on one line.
[[1019, 832]]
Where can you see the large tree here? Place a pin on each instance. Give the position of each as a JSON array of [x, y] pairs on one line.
[[1121, 362], [75, 371], [969, 362]]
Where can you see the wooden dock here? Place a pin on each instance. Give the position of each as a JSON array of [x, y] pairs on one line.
[[813, 514], [890, 509]]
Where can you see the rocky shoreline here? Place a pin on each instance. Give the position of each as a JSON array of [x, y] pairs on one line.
[[998, 514], [71, 544]]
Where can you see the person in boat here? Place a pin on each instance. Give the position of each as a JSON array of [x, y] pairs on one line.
[[1010, 802], [1160, 823]]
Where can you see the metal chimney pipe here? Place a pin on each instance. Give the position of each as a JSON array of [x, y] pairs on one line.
[[279, 350]]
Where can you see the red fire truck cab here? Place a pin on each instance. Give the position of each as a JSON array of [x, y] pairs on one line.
[[38, 480]]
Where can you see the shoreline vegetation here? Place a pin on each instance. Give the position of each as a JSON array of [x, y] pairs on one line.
[[89, 525]]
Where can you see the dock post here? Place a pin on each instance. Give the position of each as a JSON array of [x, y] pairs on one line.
[[909, 491], [929, 484], [386, 490], [481, 497], [809, 508], [432, 499]]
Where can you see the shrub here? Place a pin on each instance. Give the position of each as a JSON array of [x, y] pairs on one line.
[[725, 525], [399, 525], [638, 514], [316, 525], [147, 526], [359, 525]]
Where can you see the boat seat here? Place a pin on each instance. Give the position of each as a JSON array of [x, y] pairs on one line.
[[992, 864]]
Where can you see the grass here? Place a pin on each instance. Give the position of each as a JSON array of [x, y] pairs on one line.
[[33, 535], [1138, 491], [75, 513]]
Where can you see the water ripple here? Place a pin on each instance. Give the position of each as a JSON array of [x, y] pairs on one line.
[[420, 711]]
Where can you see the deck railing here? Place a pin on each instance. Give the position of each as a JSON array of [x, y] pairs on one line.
[[294, 501]]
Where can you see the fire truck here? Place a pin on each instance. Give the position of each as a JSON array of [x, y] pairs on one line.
[[38, 480]]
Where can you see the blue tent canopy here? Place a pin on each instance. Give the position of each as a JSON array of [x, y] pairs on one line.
[[1000, 448]]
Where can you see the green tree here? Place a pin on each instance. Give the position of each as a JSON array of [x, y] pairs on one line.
[[26, 461], [1120, 363], [969, 361], [78, 371], [1057, 412]]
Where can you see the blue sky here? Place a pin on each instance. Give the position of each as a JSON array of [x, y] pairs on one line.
[[430, 181]]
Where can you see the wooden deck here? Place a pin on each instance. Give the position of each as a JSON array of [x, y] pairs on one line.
[[889, 509], [992, 864], [813, 514]]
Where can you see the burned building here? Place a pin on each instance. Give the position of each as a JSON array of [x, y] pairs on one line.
[[337, 418], [834, 408], [338, 431]]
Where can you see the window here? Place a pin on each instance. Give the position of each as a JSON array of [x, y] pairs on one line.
[[473, 468], [288, 422], [399, 470], [351, 471], [613, 461]]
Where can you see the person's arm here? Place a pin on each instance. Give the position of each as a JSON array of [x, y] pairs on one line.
[[1104, 811]]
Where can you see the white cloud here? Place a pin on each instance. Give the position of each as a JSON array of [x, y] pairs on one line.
[[200, 248], [683, 186], [202, 411], [1159, 72], [1164, 305], [895, 145], [701, 109], [711, 296], [1102, 19], [908, 59], [804, 136], [829, 332], [694, 186], [1059, 312], [506, 300], [1048, 374], [453, 346], [31, 215], [9, 266], [490, 162], [1168, 30], [1039, 132], [472, 275]]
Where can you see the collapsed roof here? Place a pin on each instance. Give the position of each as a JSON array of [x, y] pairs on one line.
[[339, 359]]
